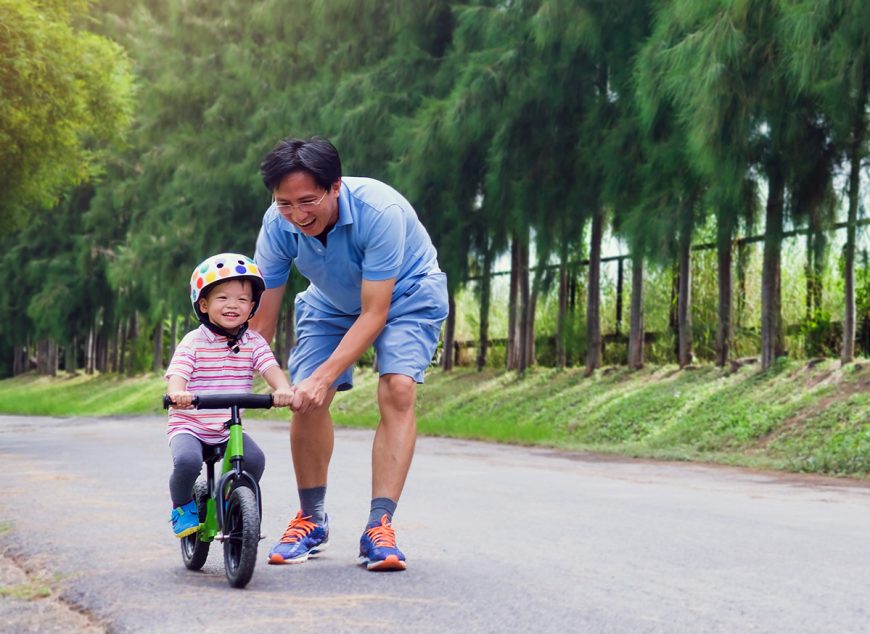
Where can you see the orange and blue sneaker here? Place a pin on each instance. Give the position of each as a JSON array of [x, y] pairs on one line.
[[185, 519], [302, 539], [377, 547]]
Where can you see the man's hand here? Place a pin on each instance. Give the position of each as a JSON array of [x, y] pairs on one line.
[[310, 394], [283, 396], [181, 400]]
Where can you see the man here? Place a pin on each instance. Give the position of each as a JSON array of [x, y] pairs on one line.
[[374, 280]]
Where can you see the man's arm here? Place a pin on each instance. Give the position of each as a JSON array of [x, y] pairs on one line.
[[266, 318], [376, 300]]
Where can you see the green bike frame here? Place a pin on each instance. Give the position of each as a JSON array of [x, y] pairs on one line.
[[232, 475]]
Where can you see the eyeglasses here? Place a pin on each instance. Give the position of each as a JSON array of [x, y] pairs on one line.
[[308, 205]]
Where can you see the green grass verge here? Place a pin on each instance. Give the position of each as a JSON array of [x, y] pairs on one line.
[[798, 416], [27, 591]]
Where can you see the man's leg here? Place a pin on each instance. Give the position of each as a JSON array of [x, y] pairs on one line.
[[395, 437], [311, 442], [392, 452], [312, 438]]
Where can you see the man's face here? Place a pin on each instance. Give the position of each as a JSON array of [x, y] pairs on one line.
[[307, 205]]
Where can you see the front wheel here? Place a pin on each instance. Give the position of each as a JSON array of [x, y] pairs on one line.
[[241, 536], [194, 551]]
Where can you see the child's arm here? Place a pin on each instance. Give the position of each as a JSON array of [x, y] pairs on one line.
[[176, 389], [277, 380]]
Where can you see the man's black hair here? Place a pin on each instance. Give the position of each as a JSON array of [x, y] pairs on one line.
[[316, 156]]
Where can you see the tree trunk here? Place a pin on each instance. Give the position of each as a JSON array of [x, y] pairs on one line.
[[531, 351], [157, 343], [847, 352], [19, 360], [809, 270], [107, 352], [620, 282], [561, 319], [104, 342], [132, 338], [511, 353], [772, 344], [819, 269], [52, 357], [90, 349], [46, 357], [723, 327], [742, 265], [636, 333], [572, 293], [70, 354], [684, 303], [593, 297], [673, 312], [447, 354], [485, 299], [524, 306], [117, 346], [122, 349]]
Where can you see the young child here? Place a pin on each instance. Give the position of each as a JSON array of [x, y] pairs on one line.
[[219, 356]]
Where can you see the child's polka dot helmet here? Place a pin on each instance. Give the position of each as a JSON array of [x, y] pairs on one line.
[[220, 268]]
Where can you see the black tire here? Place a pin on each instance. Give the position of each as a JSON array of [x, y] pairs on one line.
[[194, 551], [241, 536]]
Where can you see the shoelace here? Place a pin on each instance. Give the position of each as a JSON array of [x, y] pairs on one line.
[[298, 528], [383, 535]]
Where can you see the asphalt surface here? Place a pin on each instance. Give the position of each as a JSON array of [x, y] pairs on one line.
[[498, 539]]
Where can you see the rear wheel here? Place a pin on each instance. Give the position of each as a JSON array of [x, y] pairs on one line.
[[194, 552], [241, 536]]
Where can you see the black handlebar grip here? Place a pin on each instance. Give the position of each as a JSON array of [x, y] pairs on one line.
[[221, 401]]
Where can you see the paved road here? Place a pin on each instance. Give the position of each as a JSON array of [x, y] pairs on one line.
[[499, 539]]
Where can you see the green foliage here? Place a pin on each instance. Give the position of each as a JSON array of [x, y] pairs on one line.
[[499, 121], [66, 96], [821, 336], [27, 591]]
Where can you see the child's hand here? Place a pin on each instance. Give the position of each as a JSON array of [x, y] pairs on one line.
[[283, 396], [181, 400]]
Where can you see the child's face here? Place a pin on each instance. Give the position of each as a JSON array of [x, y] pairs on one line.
[[229, 304]]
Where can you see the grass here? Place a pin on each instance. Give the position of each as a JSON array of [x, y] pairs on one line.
[[27, 591], [797, 416]]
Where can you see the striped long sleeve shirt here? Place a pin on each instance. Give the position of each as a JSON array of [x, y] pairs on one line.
[[206, 362]]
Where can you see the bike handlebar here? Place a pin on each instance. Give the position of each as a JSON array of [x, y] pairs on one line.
[[221, 401]]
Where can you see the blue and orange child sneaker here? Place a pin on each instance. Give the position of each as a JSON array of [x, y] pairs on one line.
[[302, 539], [377, 547], [185, 519]]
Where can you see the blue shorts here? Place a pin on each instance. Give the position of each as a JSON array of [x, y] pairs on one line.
[[406, 345]]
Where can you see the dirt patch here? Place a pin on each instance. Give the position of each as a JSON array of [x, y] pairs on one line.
[[29, 602]]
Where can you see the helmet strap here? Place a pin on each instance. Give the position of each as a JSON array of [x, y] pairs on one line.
[[232, 339]]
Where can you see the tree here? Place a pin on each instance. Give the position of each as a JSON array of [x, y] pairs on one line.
[[721, 66], [66, 95], [828, 54]]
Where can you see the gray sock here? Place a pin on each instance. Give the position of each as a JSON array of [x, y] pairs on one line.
[[381, 507], [312, 501]]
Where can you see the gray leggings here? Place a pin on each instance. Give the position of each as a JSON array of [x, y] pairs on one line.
[[187, 458]]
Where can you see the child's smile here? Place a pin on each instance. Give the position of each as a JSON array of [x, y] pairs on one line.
[[229, 305]]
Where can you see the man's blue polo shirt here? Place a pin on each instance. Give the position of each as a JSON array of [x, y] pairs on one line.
[[377, 237]]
